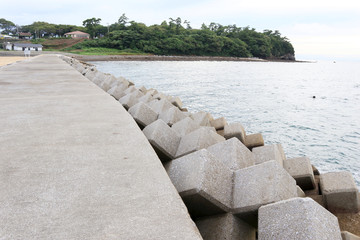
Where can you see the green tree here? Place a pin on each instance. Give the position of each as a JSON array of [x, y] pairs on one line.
[[91, 24], [7, 27]]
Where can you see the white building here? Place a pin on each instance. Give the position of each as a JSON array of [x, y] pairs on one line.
[[22, 46], [77, 34]]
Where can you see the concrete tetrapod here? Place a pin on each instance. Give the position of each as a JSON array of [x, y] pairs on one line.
[[160, 106], [202, 118], [218, 123], [254, 140], [225, 226], [266, 153], [172, 115], [203, 182], [130, 99], [260, 185], [185, 126], [143, 114], [300, 169], [340, 192], [107, 82], [297, 218], [196, 140], [235, 130], [233, 153], [117, 91], [164, 139], [146, 98]]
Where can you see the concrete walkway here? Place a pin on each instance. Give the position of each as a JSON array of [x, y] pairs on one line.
[[74, 164]]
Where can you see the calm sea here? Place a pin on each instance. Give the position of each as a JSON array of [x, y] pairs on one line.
[[273, 98]]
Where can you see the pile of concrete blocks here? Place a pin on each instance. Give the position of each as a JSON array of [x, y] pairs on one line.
[[233, 185]]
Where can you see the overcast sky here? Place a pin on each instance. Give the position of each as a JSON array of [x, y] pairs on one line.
[[318, 29]]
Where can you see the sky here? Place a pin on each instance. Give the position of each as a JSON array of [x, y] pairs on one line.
[[318, 29]]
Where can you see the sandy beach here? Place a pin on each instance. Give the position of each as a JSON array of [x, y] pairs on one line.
[[7, 60]]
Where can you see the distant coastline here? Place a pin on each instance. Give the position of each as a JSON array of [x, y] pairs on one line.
[[171, 58], [147, 57]]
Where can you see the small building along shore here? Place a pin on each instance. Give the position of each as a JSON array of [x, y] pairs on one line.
[[22, 46], [77, 35]]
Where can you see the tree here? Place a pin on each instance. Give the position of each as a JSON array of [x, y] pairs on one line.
[[91, 24], [123, 19], [7, 27]]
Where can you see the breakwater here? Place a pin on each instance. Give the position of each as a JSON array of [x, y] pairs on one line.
[[75, 165], [229, 178]]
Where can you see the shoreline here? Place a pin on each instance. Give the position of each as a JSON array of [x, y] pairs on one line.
[[172, 58], [149, 57]]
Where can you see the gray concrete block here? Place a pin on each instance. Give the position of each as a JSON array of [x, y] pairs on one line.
[[233, 153], [91, 74], [176, 101], [185, 126], [349, 236], [172, 116], [99, 78], [160, 106], [164, 139], [130, 89], [146, 98], [234, 130], [107, 82], [209, 128], [225, 226], [152, 91], [203, 181], [260, 185], [117, 91], [218, 123], [131, 99], [123, 81], [297, 218], [142, 89], [202, 118], [143, 114], [281, 151], [340, 192], [196, 140], [300, 169], [254, 140], [87, 70], [300, 192], [267, 153], [160, 96]]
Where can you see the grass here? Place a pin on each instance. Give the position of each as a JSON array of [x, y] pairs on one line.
[[103, 51]]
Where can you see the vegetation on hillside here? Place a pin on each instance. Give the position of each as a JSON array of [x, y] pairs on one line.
[[173, 37]]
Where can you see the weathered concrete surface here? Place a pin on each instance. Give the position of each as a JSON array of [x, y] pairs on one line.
[[297, 218], [340, 192], [74, 164]]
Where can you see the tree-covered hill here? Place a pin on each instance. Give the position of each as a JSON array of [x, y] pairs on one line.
[[178, 38], [173, 37]]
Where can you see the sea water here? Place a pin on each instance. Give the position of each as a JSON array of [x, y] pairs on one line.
[[312, 109]]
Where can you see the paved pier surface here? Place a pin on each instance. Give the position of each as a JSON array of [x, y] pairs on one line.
[[74, 164]]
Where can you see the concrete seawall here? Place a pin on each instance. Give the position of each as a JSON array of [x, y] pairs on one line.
[[75, 165]]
